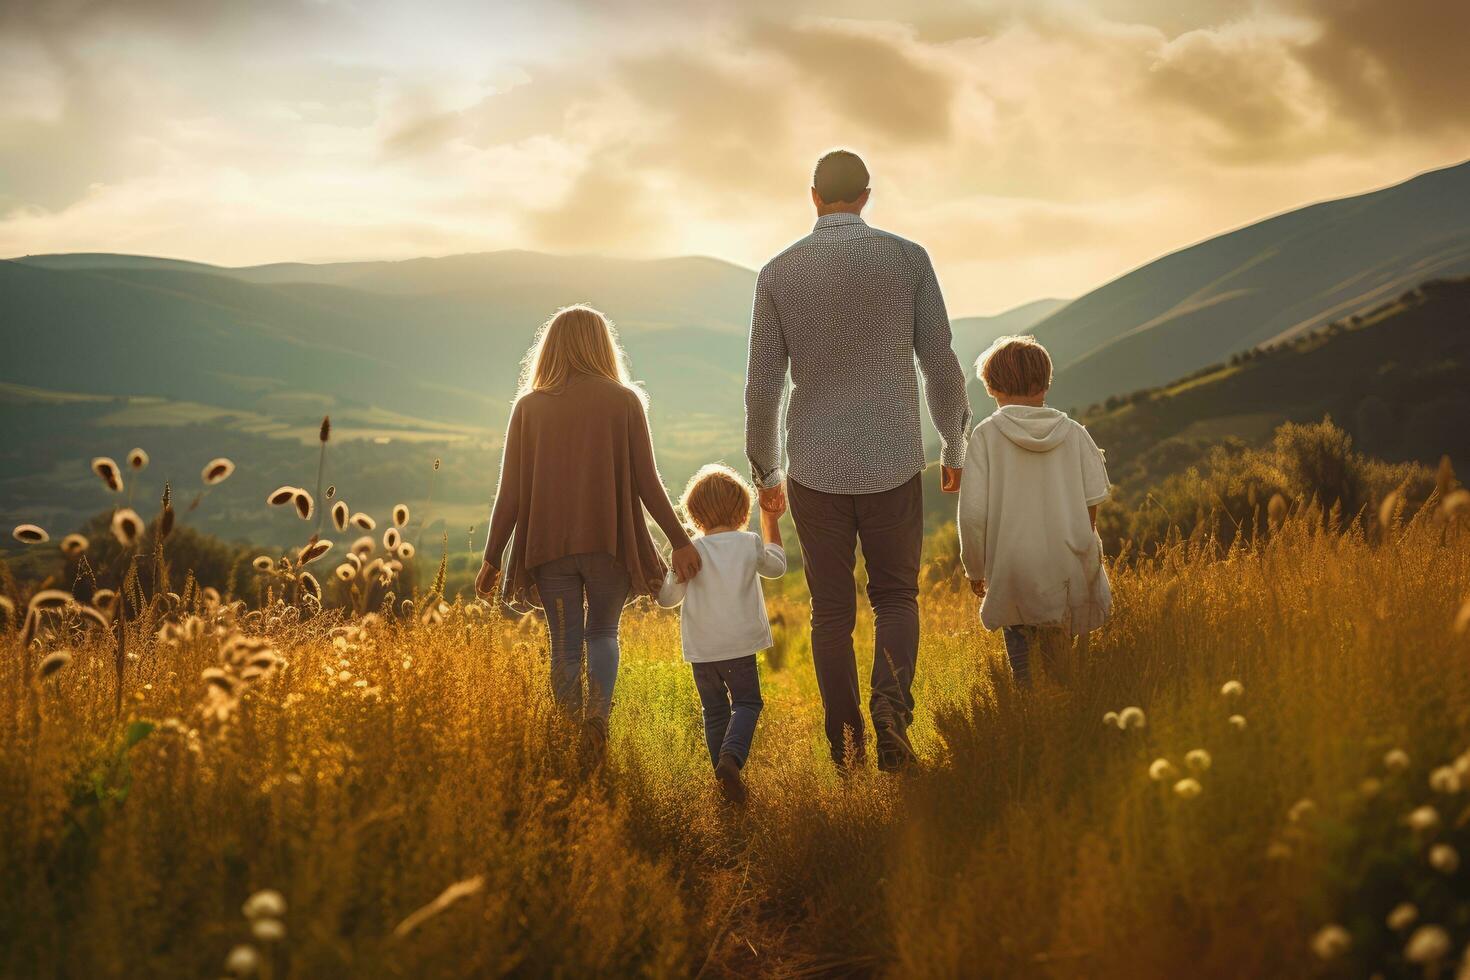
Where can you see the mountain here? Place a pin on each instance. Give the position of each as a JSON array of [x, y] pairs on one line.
[[1270, 281], [1395, 377], [972, 334]]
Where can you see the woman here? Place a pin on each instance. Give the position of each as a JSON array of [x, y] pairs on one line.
[[577, 472]]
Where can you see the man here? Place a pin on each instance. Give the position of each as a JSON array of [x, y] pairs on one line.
[[846, 309]]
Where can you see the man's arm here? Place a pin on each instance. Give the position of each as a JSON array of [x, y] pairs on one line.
[[944, 381], [765, 382]]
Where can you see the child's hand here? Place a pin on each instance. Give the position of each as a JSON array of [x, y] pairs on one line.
[[978, 587]]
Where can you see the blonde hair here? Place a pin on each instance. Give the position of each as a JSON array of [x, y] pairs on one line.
[[575, 340], [716, 496], [1016, 366]]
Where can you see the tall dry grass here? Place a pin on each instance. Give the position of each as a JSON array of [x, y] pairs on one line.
[[385, 761]]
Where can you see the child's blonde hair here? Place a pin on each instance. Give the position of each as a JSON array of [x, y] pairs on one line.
[[1016, 366], [716, 496], [575, 340]]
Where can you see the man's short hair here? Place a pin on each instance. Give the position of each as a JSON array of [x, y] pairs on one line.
[[1015, 366], [840, 177]]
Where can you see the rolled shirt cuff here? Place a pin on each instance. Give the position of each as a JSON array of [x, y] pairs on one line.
[[953, 455], [774, 478]]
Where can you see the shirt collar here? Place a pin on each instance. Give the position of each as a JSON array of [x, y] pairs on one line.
[[839, 218]]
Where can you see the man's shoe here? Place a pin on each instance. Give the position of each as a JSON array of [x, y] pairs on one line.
[[895, 751], [727, 774]]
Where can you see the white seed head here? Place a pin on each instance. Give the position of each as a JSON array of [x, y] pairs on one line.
[[1131, 717], [1444, 859], [107, 469], [1445, 780], [268, 930], [30, 534], [1403, 915], [1111, 719], [264, 904], [365, 522], [1237, 722], [1198, 760], [138, 459], [1187, 788], [345, 572], [216, 471], [54, 662], [127, 526], [1161, 769], [1301, 810], [74, 544], [1424, 818], [405, 551], [400, 514], [1396, 760], [242, 961], [1331, 941], [1428, 944], [1232, 689]]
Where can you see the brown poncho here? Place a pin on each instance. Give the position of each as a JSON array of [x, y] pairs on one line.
[[577, 472]]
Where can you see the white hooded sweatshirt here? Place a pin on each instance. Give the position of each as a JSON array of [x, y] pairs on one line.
[[1030, 475]]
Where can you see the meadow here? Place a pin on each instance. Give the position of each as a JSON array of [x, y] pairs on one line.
[[283, 789]]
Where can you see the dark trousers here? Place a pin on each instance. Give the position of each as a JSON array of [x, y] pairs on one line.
[[890, 528], [730, 700]]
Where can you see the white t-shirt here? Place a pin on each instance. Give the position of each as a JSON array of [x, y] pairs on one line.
[[1030, 475], [724, 614]]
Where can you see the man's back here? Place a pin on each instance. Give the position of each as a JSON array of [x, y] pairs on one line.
[[848, 307]]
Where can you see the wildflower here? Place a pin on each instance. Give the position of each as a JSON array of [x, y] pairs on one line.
[[268, 930], [363, 547], [1187, 788], [1237, 722], [138, 459], [305, 506], [107, 469], [1403, 915], [345, 572], [53, 662], [1161, 769], [216, 471], [242, 961], [1111, 719], [391, 537], [1396, 760], [1428, 944], [127, 526], [400, 514], [30, 534], [281, 496], [263, 563], [310, 586], [1131, 717], [405, 551], [1197, 760], [1444, 859], [1301, 810], [313, 551], [364, 521], [1331, 941], [1232, 689], [1423, 819], [264, 904], [340, 515], [1444, 780]]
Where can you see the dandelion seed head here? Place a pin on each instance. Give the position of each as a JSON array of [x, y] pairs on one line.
[[1131, 717], [53, 662], [1111, 719], [391, 538], [1422, 819], [263, 563], [1301, 810], [1331, 941], [345, 572], [127, 526], [1444, 859], [1396, 760], [364, 521], [217, 471], [1403, 915], [340, 515], [1237, 722], [138, 459], [1232, 689], [106, 468], [400, 514], [1445, 780], [305, 506], [1198, 760], [1187, 788], [281, 496], [30, 534], [1427, 944], [1161, 769], [313, 551], [242, 961], [310, 586], [268, 930], [405, 551], [264, 904]]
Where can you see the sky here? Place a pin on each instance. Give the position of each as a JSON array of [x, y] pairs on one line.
[[1036, 149]]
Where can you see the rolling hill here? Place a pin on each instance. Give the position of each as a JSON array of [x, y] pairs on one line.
[[1270, 281]]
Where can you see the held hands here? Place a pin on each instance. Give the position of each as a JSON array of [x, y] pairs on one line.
[[978, 587], [773, 499], [686, 562], [949, 479], [485, 581]]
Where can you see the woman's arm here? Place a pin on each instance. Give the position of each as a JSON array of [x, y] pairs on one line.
[[507, 494], [650, 489]]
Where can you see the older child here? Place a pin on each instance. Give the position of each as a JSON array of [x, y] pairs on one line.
[[1032, 484], [723, 622]]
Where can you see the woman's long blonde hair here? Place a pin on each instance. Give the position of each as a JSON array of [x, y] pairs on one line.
[[575, 340]]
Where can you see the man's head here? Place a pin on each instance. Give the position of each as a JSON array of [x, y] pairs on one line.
[[1015, 369], [840, 182]]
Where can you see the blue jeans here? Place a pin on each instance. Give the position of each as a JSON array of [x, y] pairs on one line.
[[584, 597], [730, 696]]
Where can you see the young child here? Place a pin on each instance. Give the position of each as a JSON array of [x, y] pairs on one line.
[[1032, 483], [723, 622]]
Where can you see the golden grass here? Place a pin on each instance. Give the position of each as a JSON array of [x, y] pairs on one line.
[[419, 805]]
